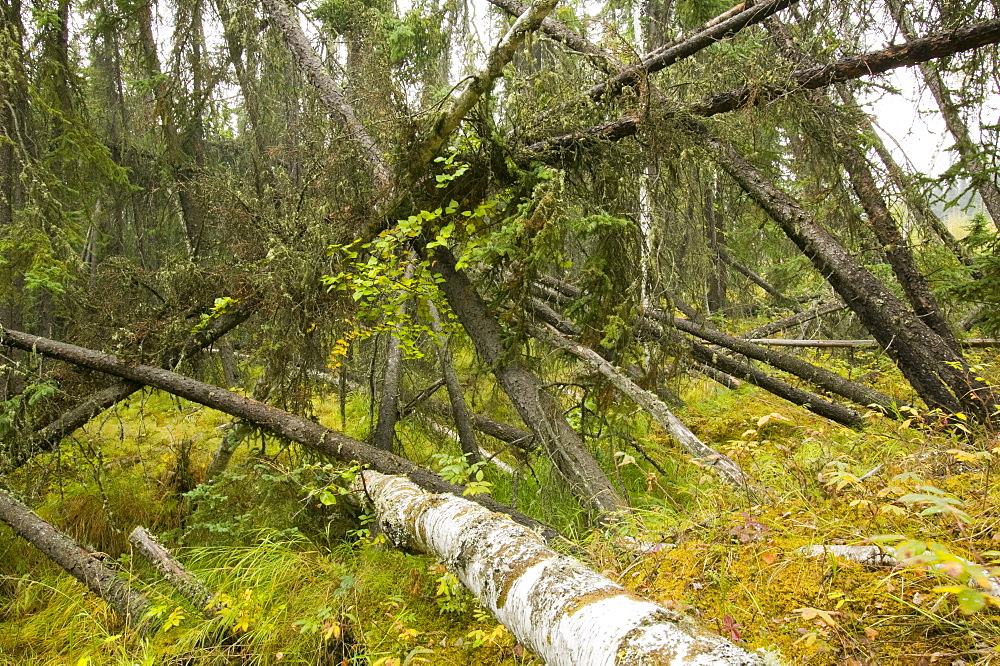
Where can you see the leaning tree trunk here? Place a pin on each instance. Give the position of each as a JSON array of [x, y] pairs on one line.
[[565, 613], [741, 370], [459, 410], [938, 374], [48, 437], [843, 143], [539, 410], [182, 580], [388, 406], [653, 406], [77, 560], [916, 202], [516, 437], [792, 320], [731, 368], [324, 441], [830, 381]]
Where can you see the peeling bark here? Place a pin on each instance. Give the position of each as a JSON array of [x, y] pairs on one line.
[[77, 560], [565, 613]]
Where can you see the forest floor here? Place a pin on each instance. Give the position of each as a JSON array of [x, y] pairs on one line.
[[304, 582]]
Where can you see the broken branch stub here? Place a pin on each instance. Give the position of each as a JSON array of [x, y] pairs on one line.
[[564, 612]]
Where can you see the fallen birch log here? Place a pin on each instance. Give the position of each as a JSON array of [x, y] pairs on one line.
[[565, 613], [77, 560], [887, 556]]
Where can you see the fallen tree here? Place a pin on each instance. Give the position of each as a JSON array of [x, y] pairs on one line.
[[77, 560], [647, 327], [49, 436], [831, 381], [565, 613], [937, 45], [733, 473], [324, 441], [792, 320], [541, 412], [182, 580]]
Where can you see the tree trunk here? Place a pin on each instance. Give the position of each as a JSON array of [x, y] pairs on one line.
[[938, 374], [330, 93], [938, 45], [844, 143], [13, 110], [388, 406], [539, 411], [182, 580], [647, 327], [664, 57], [459, 410], [77, 560], [565, 613], [653, 406], [180, 161], [48, 437], [326, 442], [231, 441], [830, 381], [967, 149], [916, 203], [230, 368], [779, 297], [745, 371], [521, 439], [716, 236], [793, 320]]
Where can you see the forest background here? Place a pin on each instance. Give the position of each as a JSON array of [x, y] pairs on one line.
[[288, 228]]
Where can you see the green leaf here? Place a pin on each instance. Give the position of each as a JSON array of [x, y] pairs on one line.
[[970, 601]]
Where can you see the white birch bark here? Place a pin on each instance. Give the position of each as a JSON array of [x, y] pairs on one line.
[[886, 556], [564, 612]]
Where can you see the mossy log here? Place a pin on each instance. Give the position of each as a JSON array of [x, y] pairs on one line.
[[564, 612]]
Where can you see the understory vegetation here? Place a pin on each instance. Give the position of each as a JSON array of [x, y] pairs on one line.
[[640, 282], [301, 579]]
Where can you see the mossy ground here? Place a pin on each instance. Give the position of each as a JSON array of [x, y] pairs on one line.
[[302, 586]]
